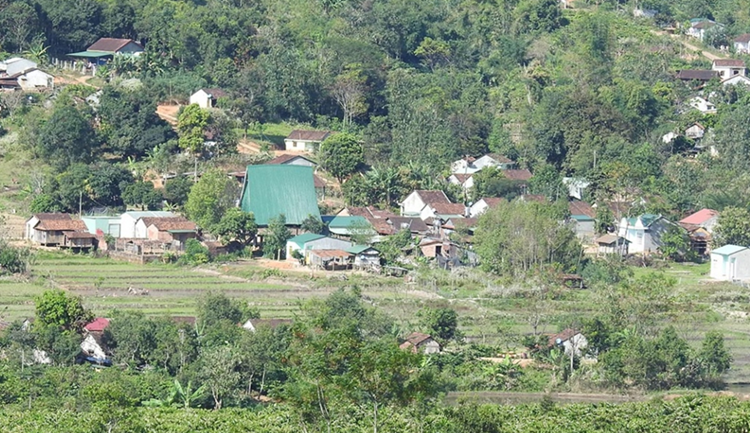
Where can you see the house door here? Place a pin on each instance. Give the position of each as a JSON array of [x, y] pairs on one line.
[[438, 250], [732, 269]]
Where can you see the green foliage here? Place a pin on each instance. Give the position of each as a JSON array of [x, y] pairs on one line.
[[130, 125], [56, 308], [191, 126], [14, 260], [236, 225], [713, 355], [312, 224], [733, 227], [274, 242], [67, 137], [195, 253], [518, 237], [176, 190], [440, 323], [341, 155], [142, 194], [492, 182], [210, 198], [675, 243]]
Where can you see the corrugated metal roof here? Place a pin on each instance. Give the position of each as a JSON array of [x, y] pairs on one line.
[[699, 217], [728, 250], [348, 222], [272, 190], [304, 238]]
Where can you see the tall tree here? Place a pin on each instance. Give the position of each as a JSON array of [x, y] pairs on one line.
[[67, 137], [274, 245], [733, 227], [191, 126], [341, 155], [210, 198]]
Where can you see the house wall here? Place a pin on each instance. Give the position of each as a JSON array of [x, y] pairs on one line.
[[201, 99], [130, 48], [366, 259], [80, 242], [29, 232], [412, 205], [429, 346], [35, 79], [328, 244], [127, 226], [90, 346], [728, 71], [742, 47], [478, 208], [584, 229], [140, 230], [734, 267], [300, 145]]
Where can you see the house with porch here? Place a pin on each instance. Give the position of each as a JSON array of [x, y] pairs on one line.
[[103, 50], [728, 68], [700, 227], [58, 229], [612, 244], [331, 260]]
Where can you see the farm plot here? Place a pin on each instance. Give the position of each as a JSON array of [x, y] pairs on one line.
[[154, 289]]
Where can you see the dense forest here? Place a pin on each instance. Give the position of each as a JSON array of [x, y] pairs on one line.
[[586, 92]]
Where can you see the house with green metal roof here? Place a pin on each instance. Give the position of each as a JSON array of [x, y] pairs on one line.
[[644, 232], [273, 190], [104, 49], [730, 263], [347, 225], [307, 242]]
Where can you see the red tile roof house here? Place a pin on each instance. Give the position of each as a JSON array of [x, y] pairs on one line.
[[92, 346], [58, 229], [700, 227], [305, 141]]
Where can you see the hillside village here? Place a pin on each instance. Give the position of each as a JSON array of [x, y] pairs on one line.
[[342, 215]]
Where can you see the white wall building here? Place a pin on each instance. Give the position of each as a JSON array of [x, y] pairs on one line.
[[730, 262]]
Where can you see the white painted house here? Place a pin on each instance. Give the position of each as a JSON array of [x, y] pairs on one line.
[[129, 221], [305, 141], [737, 79], [416, 202], [34, 79], [669, 137], [207, 98], [471, 165], [576, 186], [702, 105], [572, 342], [728, 68], [643, 232], [742, 44], [466, 181], [698, 28], [696, 131], [483, 205], [730, 262]]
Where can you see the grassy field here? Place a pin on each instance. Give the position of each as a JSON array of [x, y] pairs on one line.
[[490, 310]]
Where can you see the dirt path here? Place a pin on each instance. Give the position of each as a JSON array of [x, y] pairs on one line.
[[168, 113], [688, 45]]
